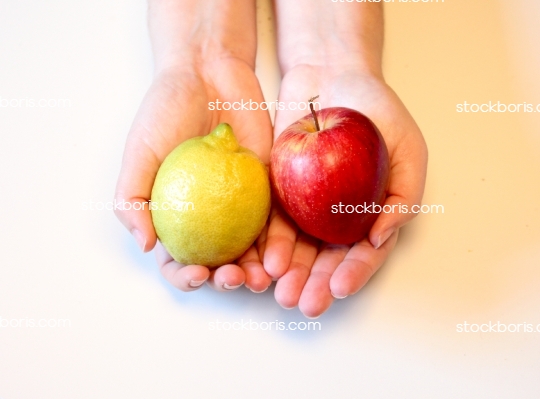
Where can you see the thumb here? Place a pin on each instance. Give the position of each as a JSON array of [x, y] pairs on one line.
[[133, 191], [161, 124], [406, 187]]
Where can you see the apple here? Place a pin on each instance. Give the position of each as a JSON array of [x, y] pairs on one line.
[[329, 171]]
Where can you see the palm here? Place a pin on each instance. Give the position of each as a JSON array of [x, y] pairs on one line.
[[311, 274], [175, 109]]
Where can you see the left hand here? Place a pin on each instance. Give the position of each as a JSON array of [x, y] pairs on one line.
[[312, 273]]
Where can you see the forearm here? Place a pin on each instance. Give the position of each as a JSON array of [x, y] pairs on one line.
[[187, 32], [323, 32]]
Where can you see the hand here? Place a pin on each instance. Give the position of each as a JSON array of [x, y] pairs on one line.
[[312, 273], [175, 109], [203, 51]]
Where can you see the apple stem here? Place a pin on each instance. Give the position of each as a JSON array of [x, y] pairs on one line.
[[313, 112]]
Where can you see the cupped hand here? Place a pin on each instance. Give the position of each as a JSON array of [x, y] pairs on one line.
[[312, 273], [175, 109]]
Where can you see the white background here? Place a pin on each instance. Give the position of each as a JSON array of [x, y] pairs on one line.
[[133, 336]]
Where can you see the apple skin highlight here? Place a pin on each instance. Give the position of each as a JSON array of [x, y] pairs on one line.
[[345, 162]]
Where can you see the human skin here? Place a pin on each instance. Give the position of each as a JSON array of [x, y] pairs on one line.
[[206, 50], [337, 54], [203, 51]]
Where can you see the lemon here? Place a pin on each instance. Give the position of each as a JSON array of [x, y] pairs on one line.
[[210, 200]]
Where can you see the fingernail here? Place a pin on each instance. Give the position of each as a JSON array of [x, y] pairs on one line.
[[139, 238], [258, 292], [384, 236], [339, 297], [231, 287], [196, 283]]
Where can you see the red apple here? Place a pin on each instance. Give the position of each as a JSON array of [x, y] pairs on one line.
[[320, 175]]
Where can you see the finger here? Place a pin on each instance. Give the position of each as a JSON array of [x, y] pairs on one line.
[[158, 128], [316, 296], [359, 265], [185, 278], [140, 164], [226, 278], [257, 280], [289, 286], [261, 241], [406, 186], [133, 194], [279, 244]]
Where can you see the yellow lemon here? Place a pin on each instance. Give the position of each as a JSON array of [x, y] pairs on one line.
[[210, 199]]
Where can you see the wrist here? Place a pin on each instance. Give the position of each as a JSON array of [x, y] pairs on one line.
[[335, 61], [190, 33], [335, 36]]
